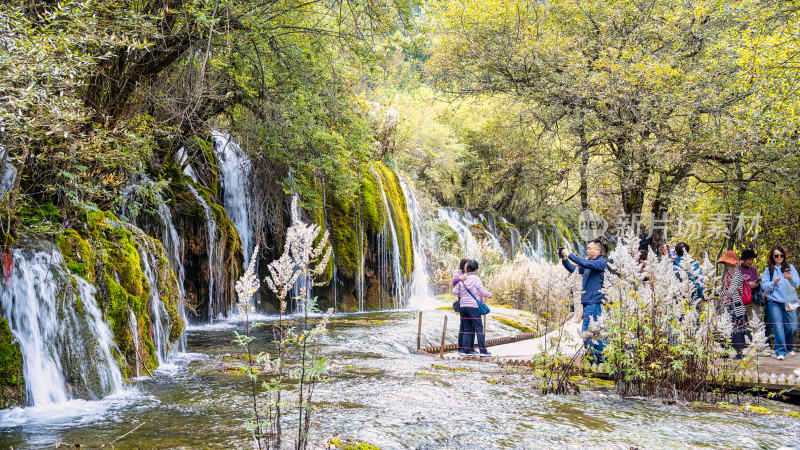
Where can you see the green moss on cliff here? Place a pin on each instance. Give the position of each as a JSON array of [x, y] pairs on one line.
[[344, 237], [374, 210], [399, 216], [12, 387], [446, 238], [105, 252], [211, 171]]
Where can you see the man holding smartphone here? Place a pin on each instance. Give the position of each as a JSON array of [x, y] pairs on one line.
[[593, 271]]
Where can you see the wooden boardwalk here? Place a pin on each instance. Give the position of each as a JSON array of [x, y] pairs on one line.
[[759, 375]]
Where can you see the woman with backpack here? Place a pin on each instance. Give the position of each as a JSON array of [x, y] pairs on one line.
[[731, 296], [752, 279], [470, 291], [779, 281]]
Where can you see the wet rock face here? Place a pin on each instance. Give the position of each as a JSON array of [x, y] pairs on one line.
[[227, 266], [196, 263], [210, 273]]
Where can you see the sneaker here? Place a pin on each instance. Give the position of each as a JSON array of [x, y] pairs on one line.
[[738, 356], [486, 355], [791, 353], [780, 358], [465, 353]]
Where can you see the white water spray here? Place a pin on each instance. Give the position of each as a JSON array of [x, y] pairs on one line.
[[66, 345]]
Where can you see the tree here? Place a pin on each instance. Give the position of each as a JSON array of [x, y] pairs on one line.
[[650, 90]]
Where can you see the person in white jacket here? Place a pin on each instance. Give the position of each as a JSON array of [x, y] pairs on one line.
[[470, 291]]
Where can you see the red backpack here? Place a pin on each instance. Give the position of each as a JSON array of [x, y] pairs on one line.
[[746, 294]]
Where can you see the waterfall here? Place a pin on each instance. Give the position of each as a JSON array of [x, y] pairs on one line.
[[234, 169], [491, 230], [361, 256], [419, 279], [399, 299], [172, 245], [134, 329], [183, 161], [215, 305], [211, 241], [334, 278], [159, 318], [65, 343], [460, 223]]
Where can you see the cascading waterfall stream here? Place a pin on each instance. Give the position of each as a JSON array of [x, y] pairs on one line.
[[460, 223], [334, 277], [491, 231], [66, 344], [134, 329], [173, 246], [215, 303], [215, 308], [420, 281], [234, 167], [543, 247], [399, 298], [159, 318], [361, 255]]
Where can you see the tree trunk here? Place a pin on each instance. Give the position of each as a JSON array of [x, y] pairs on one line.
[[667, 184], [584, 154], [741, 190], [632, 188]]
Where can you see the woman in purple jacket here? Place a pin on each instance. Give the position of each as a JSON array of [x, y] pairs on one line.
[[469, 292]]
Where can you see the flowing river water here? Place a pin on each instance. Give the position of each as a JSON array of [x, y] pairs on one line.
[[381, 392]]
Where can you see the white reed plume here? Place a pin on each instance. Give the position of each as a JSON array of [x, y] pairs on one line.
[[300, 239], [248, 284], [661, 291], [758, 339], [282, 277], [322, 326], [323, 264]]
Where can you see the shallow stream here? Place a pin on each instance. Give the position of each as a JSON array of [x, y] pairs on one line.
[[380, 392]]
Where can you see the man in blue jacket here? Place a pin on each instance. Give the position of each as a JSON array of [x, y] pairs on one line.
[[593, 271]]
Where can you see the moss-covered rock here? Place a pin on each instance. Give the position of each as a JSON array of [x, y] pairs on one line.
[[372, 204], [446, 239], [12, 386], [345, 235], [360, 221], [399, 216], [108, 254], [208, 172]]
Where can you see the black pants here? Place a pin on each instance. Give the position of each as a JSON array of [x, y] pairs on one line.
[[471, 326], [740, 330]]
